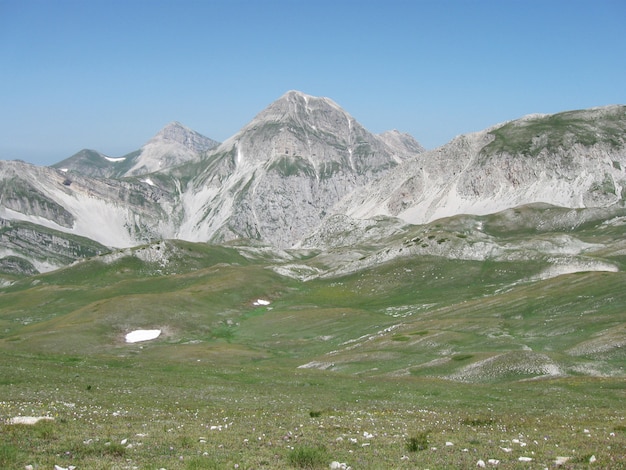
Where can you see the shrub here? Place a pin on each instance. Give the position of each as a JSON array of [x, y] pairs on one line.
[[308, 457], [417, 442], [478, 421]]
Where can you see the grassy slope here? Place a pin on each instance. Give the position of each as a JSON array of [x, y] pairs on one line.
[[417, 346]]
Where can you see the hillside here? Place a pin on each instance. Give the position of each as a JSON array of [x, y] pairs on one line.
[[317, 337], [304, 169], [467, 340]]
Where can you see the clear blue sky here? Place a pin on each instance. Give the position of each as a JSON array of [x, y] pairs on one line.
[[109, 74]]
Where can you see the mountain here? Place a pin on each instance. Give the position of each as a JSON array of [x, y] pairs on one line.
[[116, 213], [171, 146], [573, 159], [280, 175], [303, 173]]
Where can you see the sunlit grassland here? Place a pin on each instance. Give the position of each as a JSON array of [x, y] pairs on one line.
[[474, 358]]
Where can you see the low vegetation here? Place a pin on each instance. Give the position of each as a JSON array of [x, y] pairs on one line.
[[420, 362], [531, 136]]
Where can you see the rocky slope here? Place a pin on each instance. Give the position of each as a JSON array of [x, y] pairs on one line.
[[574, 159], [305, 173], [173, 145], [279, 176], [112, 212]]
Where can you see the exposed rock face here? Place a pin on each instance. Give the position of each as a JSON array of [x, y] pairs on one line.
[[278, 177], [27, 248], [173, 145], [303, 170], [112, 212], [402, 142], [573, 159]]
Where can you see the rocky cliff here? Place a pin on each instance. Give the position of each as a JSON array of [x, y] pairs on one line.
[[304, 172], [574, 159], [279, 176]]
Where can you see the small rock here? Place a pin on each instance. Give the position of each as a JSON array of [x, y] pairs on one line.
[[525, 459], [592, 459], [481, 463], [561, 461], [493, 462]]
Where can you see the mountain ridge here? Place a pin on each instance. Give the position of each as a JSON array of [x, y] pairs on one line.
[[303, 161]]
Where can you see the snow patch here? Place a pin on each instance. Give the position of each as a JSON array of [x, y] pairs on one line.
[[261, 302], [115, 160], [142, 335], [148, 181], [29, 419]]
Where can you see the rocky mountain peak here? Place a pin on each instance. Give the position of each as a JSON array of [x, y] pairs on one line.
[[175, 132], [401, 142], [171, 146], [295, 107]]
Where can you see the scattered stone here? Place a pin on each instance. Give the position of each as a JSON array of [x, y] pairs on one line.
[[481, 463], [493, 462], [592, 459], [525, 459], [561, 461]]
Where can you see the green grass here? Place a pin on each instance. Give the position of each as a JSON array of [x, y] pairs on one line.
[[308, 457], [420, 362], [561, 130]]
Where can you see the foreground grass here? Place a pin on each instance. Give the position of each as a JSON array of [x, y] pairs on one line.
[[180, 416], [418, 363]]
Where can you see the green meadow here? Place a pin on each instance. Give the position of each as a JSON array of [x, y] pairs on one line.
[[421, 361]]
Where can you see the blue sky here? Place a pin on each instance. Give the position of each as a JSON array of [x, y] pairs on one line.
[[108, 75]]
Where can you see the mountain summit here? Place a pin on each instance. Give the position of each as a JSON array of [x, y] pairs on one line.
[[303, 171], [171, 146], [282, 173]]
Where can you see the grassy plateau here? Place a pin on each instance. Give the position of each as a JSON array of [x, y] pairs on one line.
[[423, 361]]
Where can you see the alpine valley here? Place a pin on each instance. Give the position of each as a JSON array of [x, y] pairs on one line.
[[318, 294]]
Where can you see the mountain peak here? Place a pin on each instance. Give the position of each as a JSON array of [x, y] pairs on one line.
[[175, 132], [173, 145]]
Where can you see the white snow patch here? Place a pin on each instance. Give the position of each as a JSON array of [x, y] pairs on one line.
[[142, 335], [261, 302], [29, 419], [64, 170], [148, 181], [115, 160]]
